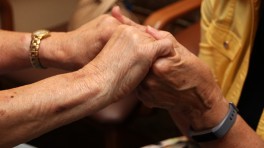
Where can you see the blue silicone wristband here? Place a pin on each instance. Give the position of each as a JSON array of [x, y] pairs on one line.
[[218, 131]]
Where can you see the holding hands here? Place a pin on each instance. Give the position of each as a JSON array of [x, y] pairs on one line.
[[126, 59], [111, 57], [185, 86], [108, 66], [182, 84]]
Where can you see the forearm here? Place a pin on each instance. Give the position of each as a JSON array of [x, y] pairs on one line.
[[29, 111], [69, 51], [240, 134], [15, 46]]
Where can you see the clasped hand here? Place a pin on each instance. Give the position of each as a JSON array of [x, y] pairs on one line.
[[182, 84], [123, 54]]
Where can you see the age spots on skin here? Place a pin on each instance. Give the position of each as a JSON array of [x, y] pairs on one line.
[[60, 109], [2, 112], [13, 95]]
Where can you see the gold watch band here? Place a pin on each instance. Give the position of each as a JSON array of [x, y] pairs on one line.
[[36, 38]]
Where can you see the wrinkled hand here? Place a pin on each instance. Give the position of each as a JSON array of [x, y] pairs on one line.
[[184, 85], [125, 60], [80, 46], [173, 80], [182, 76]]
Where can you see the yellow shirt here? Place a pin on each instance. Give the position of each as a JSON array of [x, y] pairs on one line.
[[228, 29]]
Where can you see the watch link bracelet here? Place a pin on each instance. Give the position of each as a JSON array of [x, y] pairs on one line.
[[218, 131], [36, 38]]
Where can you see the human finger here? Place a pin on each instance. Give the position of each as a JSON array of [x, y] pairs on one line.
[[116, 12], [157, 34], [160, 48]]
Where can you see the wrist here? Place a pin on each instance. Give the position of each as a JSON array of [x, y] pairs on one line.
[[211, 117], [213, 108], [206, 112], [69, 50], [50, 50], [93, 79], [26, 40], [218, 131]]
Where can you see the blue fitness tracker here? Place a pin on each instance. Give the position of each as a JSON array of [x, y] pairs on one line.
[[218, 131]]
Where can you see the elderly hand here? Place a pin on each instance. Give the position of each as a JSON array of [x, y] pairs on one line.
[[74, 49], [115, 72], [184, 86], [125, 60]]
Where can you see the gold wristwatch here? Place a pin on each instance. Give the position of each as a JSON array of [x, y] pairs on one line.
[[36, 38]]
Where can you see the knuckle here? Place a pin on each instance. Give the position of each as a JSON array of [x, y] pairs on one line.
[[107, 19], [162, 69]]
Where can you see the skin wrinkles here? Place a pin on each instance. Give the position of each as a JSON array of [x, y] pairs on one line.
[[81, 87], [65, 107], [55, 101], [106, 20]]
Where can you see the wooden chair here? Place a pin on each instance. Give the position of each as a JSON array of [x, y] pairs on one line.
[[189, 36], [6, 15]]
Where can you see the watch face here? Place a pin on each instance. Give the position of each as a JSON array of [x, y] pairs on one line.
[[41, 33]]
